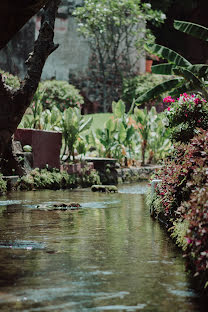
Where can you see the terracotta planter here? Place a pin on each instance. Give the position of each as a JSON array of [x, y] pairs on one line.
[[148, 66], [46, 146]]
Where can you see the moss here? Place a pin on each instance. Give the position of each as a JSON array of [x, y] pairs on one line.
[[3, 185], [179, 231], [53, 179]]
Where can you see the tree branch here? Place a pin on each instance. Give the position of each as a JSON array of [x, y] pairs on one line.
[[14, 14], [43, 47]]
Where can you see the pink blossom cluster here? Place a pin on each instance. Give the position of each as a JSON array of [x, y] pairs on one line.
[[168, 99]]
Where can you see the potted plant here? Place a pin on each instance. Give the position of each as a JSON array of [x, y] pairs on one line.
[[149, 60]]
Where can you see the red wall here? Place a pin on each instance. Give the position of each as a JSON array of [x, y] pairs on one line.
[[46, 146]]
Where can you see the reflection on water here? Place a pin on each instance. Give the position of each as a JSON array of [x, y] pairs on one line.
[[109, 256]]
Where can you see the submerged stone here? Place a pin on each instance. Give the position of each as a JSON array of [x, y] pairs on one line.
[[104, 188], [60, 206]]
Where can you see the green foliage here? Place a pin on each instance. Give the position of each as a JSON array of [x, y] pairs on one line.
[[45, 179], [192, 29], [88, 177], [58, 93], [43, 120], [179, 231], [10, 80], [116, 30], [192, 77], [53, 179], [3, 185], [185, 115], [128, 137], [133, 88], [183, 194], [73, 124], [153, 135]]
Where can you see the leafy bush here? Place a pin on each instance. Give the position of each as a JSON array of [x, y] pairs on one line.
[[183, 197], [45, 179], [53, 179], [185, 115], [88, 177], [133, 88], [10, 80], [3, 185], [58, 93]]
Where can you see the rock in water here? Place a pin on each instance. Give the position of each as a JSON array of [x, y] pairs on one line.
[[104, 188]]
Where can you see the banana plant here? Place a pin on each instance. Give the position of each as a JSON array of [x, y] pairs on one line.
[[188, 77], [72, 125], [143, 120]]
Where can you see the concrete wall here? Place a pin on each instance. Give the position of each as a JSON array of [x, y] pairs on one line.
[[72, 55], [14, 55], [70, 58]]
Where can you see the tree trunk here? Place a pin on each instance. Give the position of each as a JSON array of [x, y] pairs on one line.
[[13, 103], [15, 14]]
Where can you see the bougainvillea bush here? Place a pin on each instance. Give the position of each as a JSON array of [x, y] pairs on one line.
[[185, 115], [182, 199]]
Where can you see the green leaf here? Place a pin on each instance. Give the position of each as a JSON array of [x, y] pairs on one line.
[[192, 29], [110, 125], [168, 54], [159, 89], [200, 70], [189, 76], [118, 108], [163, 69], [86, 125], [121, 133]]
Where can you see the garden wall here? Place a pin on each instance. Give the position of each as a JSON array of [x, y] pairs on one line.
[[46, 146]]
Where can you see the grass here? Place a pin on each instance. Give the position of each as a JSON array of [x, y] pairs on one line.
[[98, 120]]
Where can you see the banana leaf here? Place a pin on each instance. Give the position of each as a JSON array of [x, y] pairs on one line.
[[189, 76], [168, 54], [163, 69], [159, 89], [200, 70], [192, 29]]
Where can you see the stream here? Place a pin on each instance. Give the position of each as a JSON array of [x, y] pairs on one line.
[[108, 256]]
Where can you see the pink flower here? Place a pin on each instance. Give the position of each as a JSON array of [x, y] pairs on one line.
[[168, 99], [168, 108], [197, 101], [188, 240]]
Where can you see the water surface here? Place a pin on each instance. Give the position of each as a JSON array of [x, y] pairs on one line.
[[108, 256]]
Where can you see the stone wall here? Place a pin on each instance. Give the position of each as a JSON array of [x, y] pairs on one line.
[[127, 175]]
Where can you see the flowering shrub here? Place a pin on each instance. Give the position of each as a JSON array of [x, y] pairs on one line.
[[183, 196], [185, 115]]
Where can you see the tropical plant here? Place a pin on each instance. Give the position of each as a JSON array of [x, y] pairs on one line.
[[191, 78], [118, 132], [131, 136], [116, 30], [134, 87], [73, 124], [49, 120], [153, 136]]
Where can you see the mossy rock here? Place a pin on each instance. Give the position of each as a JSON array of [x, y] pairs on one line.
[[59, 206], [104, 188]]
